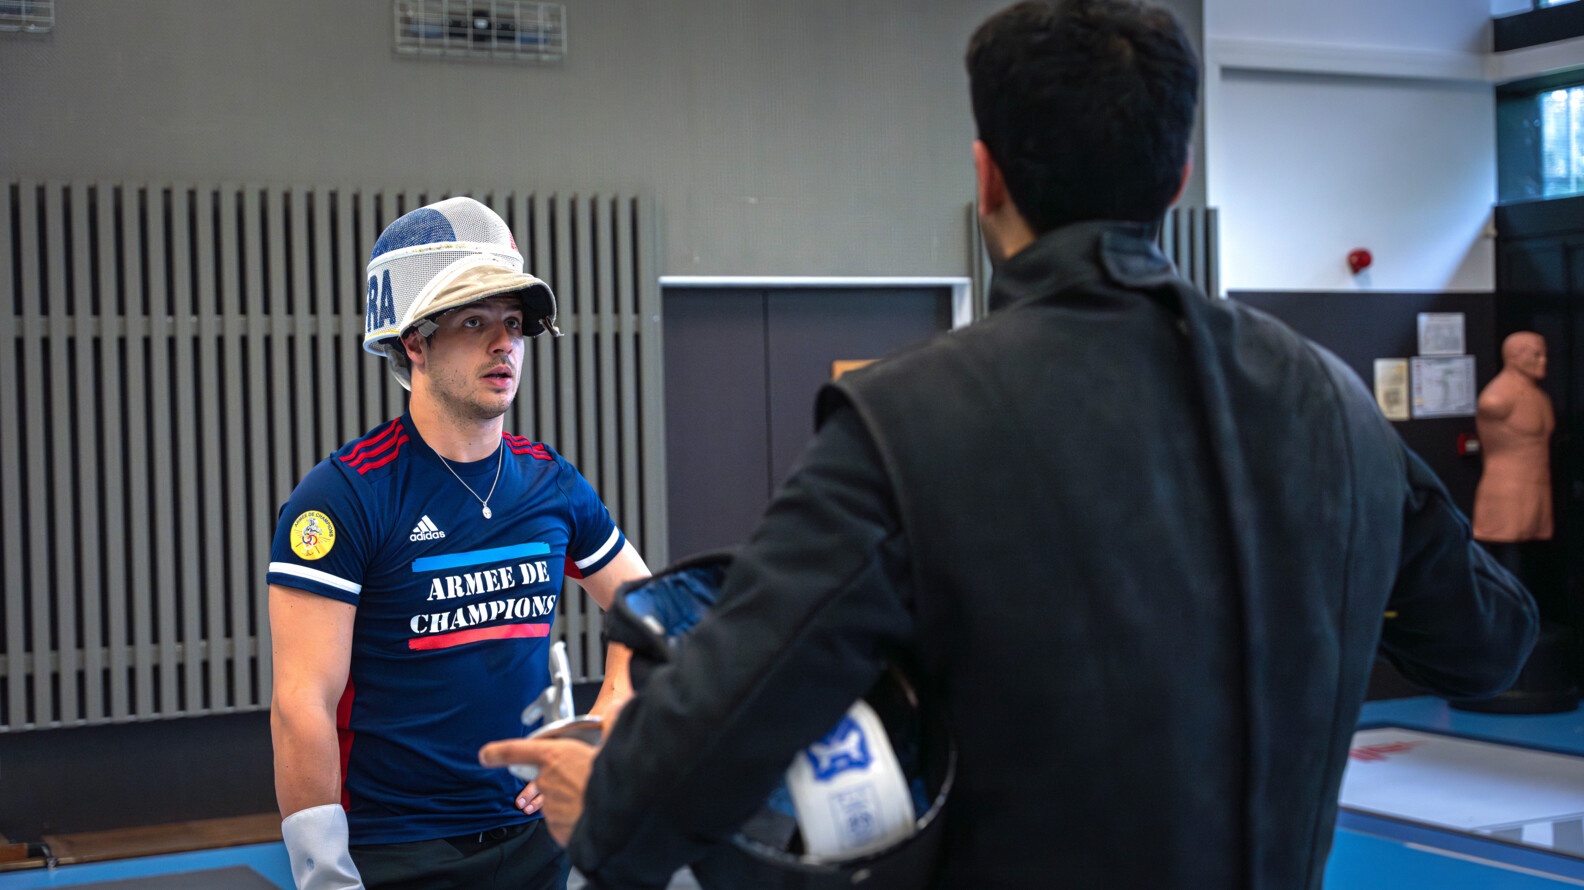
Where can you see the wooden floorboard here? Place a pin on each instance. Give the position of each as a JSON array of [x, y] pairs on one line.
[[153, 840]]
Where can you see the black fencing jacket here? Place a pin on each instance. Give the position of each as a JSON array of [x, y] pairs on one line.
[[1142, 546]]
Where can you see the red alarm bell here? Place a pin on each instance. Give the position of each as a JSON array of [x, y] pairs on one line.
[[1358, 260]]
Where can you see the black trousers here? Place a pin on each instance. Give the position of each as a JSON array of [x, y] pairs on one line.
[[519, 857]]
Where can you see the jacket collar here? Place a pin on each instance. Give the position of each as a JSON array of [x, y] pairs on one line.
[[1121, 253]]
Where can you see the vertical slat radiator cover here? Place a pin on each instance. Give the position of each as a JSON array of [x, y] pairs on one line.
[[179, 355], [1189, 239]]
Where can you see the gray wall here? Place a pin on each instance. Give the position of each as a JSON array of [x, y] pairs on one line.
[[815, 137]]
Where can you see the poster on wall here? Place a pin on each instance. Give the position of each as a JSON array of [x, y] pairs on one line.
[[1391, 387], [1443, 386], [1441, 333]]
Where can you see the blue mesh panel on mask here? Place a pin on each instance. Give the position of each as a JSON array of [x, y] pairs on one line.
[[422, 226]]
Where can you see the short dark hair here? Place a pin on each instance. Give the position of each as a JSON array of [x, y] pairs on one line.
[[1087, 106]]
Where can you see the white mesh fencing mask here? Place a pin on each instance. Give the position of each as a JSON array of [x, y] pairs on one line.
[[437, 258]]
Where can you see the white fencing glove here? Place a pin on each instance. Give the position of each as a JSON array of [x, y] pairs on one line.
[[316, 841]]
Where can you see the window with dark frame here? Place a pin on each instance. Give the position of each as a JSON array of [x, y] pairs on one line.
[[1540, 120]]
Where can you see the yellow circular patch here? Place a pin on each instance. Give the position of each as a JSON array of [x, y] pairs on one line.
[[312, 535]]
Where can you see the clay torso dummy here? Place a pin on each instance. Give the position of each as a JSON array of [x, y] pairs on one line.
[[1515, 420]]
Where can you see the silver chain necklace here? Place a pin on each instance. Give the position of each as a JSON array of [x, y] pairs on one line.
[[499, 462]]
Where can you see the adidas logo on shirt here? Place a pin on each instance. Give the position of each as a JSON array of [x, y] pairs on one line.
[[425, 530]]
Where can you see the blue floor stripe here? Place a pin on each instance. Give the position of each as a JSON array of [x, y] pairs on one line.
[[1367, 862], [1563, 733], [1360, 860], [1370, 852], [1529, 858], [269, 860]]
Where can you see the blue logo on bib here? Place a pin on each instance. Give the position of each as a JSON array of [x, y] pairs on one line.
[[842, 749]]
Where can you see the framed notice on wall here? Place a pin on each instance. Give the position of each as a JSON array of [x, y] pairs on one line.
[[1441, 333], [1443, 386], [1391, 387]]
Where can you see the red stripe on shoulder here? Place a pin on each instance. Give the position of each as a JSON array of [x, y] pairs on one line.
[[572, 571], [376, 443], [524, 445], [376, 464]]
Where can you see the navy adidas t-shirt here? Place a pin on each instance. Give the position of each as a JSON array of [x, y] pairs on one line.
[[451, 639]]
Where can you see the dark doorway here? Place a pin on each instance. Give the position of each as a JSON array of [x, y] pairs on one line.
[[1540, 287], [742, 365]]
